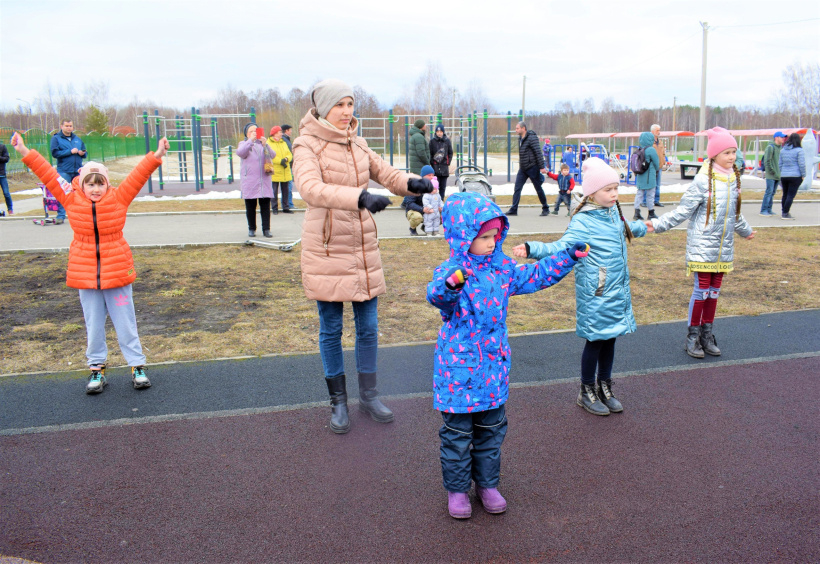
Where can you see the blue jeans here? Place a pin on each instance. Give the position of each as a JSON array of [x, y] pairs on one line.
[[562, 197], [366, 317], [290, 194], [768, 197], [68, 178], [460, 464], [6, 194]]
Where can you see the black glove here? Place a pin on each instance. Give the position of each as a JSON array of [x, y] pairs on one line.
[[578, 250], [284, 162], [420, 186], [373, 202]]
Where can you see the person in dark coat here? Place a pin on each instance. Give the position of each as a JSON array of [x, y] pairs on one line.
[[69, 150], [441, 154], [418, 151], [4, 158], [530, 165]]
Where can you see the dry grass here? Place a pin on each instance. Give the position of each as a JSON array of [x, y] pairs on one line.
[[201, 303]]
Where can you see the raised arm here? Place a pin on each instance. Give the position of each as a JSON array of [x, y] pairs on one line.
[[693, 197]]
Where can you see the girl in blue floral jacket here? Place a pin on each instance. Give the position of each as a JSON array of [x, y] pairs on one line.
[[472, 362]]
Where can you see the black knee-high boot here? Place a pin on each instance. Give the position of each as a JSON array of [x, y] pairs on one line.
[[339, 420], [370, 402]]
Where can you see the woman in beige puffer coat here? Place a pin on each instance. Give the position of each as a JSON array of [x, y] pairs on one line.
[[340, 247]]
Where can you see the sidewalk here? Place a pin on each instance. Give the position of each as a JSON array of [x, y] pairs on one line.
[[209, 228]]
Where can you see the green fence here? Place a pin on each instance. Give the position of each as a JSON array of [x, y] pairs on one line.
[[101, 148]]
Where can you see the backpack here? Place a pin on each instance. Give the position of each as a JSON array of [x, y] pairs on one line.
[[637, 162], [441, 156]]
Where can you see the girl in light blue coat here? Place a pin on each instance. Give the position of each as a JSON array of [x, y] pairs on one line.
[[602, 295]]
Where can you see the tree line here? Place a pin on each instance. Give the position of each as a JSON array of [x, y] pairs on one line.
[[797, 104]]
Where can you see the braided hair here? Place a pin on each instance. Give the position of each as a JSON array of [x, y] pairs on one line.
[[711, 197], [627, 230]]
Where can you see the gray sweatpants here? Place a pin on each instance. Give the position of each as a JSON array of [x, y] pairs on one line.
[[432, 222], [650, 199], [119, 305]]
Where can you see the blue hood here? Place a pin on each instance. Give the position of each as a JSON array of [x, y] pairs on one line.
[[646, 139], [463, 214]]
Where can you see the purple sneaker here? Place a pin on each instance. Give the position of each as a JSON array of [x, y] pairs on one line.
[[459, 505], [492, 501]]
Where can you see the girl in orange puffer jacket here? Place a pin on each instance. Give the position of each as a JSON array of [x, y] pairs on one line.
[[100, 264]]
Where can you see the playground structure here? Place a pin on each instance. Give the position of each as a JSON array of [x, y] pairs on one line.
[[189, 138], [468, 134]]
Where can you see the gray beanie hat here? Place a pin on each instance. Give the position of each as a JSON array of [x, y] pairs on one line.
[[327, 93]]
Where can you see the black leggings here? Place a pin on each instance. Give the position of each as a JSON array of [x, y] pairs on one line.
[[600, 354], [264, 209], [442, 185], [790, 186]]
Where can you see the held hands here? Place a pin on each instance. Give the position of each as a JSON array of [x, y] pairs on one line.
[[649, 227], [162, 147], [578, 250], [419, 186], [752, 236], [19, 146], [520, 251], [373, 202], [456, 278]]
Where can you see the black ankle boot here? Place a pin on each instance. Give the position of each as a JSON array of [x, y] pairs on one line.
[[693, 347], [339, 420], [588, 399], [707, 340], [370, 402], [651, 215], [637, 215], [606, 396]]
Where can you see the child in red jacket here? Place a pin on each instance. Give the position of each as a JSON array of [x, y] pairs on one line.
[[565, 185], [100, 264]]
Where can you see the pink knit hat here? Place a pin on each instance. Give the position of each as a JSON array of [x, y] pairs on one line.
[[597, 174], [92, 167], [719, 140], [494, 223]]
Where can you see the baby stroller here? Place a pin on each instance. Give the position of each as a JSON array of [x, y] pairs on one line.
[[49, 204], [469, 178]]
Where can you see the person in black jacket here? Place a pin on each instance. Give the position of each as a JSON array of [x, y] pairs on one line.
[[441, 149], [530, 165], [4, 158]]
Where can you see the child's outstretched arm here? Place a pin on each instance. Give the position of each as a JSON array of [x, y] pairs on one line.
[[444, 290], [538, 250], [694, 196], [47, 174], [529, 278], [136, 179]]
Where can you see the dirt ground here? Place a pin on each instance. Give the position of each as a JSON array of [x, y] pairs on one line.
[[212, 302]]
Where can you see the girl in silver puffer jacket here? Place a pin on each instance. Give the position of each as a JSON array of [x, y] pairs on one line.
[[712, 206]]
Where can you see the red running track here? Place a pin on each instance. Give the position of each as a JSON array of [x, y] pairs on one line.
[[708, 465]]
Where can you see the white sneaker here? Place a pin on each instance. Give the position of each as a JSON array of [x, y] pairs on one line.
[[96, 381], [139, 379]]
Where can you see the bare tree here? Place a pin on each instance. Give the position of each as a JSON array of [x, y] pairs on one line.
[[800, 95]]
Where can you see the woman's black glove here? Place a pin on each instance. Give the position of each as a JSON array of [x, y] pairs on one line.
[[373, 202], [284, 162], [420, 186]]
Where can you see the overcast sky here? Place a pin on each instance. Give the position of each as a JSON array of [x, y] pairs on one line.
[[180, 52]]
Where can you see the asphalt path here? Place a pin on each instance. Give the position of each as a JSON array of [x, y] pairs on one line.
[[713, 460], [174, 229]]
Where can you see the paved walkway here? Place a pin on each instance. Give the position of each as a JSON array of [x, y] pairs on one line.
[[712, 461], [149, 229]]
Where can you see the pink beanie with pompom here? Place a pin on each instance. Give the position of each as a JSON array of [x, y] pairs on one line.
[[719, 140], [597, 174]]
